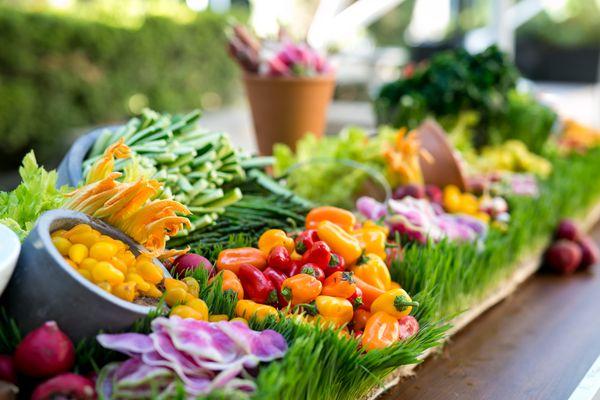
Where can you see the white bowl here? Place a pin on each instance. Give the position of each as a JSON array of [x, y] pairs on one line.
[[10, 247]]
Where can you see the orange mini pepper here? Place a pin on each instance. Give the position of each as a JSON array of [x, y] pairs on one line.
[[369, 292], [273, 238], [231, 259], [382, 330], [232, 282], [340, 241], [339, 284], [301, 288], [342, 218]]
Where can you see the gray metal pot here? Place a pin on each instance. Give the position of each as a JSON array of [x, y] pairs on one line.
[[44, 287]]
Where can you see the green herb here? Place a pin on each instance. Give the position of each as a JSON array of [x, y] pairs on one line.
[[332, 170], [36, 194]]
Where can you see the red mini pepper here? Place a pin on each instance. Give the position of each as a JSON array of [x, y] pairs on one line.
[[257, 287], [313, 270], [356, 298], [336, 263], [277, 278], [319, 254], [305, 240], [279, 259]]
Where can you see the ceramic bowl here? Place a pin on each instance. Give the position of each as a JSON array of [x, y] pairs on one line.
[[10, 247], [444, 167], [69, 170], [44, 287]]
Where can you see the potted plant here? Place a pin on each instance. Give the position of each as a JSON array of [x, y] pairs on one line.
[[289, 87]]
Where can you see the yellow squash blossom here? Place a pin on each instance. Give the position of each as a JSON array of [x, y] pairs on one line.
[[129, 206]]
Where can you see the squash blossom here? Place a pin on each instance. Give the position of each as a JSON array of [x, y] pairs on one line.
[[402, 158], [129, 206]]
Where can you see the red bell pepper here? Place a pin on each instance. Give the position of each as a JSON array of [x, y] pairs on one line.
[[319, 254], [277, 278], [336, 263], [313, 270], [305, 240], [279, 259], [257, 287], [356, 298]]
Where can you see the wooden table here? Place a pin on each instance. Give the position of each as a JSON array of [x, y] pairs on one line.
[[537, 344]]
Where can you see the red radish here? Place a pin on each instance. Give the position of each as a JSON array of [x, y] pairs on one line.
[[566, 229], [412, 190], [434, 194], [8, 372], [563, 256], [590, 254], [189, 262], [409, 326], [44, 352], [65, 386]]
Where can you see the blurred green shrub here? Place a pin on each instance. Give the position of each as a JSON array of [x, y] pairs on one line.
[[58, 72]]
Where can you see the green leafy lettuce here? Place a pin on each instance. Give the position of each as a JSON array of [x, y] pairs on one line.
[[333, 169], [36, 194]]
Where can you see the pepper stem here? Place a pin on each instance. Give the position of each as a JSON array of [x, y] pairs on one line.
[[286, 292], [310, 309], [363, 259], [272, 299], [401, 303]]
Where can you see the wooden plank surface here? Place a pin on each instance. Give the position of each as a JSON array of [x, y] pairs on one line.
[[537, 344]]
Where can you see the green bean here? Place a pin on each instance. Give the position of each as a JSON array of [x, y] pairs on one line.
[[166, 158], [207, 197]]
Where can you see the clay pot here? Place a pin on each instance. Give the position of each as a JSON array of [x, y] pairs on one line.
[[443, 167], [286, 108]]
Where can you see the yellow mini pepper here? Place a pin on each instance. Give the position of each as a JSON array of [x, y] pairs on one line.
[[395, 302], [273, 238], [372, 269], [340, 241], [372, 240], [334, 310], [247, 309]]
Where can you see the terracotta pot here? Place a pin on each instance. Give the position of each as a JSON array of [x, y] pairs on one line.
[[285, 109]]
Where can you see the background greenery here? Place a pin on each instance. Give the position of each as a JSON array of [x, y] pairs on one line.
[[60, 71]]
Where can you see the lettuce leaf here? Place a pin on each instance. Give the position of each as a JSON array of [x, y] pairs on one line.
[[319, 169], [36, 194]]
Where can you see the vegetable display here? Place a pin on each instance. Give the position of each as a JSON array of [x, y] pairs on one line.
[[203, 171], [273, 290], [322, 275]]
